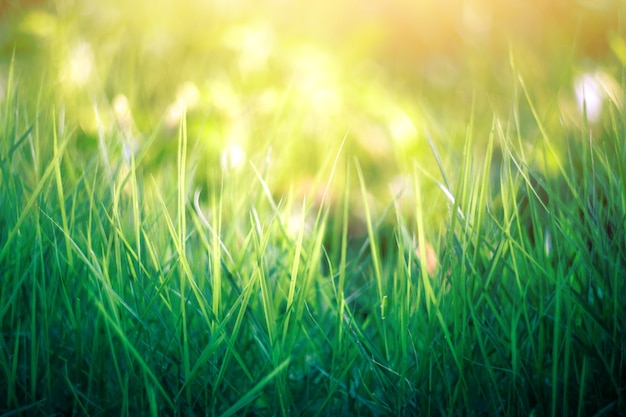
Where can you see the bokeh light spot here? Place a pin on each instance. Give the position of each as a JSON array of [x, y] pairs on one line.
[[233, 158], [589, 96], [79, 66]]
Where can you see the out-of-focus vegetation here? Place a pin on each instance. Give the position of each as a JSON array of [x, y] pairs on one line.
[[296, 77], [461, 244]]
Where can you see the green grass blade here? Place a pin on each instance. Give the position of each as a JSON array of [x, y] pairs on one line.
[[250, 396]]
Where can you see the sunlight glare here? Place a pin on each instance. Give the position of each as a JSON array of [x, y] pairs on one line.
[[314, 78], [592, 89], [79, 66], [297, 221], [253, 43], [233, 158], [187, 97], [401, 126], [121, 109], [224, 98], [589, 96], [124, 117]]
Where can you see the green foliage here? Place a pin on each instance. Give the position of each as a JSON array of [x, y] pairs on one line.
[[146, 272]]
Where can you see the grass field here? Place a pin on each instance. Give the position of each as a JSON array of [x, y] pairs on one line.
[[237, 219]]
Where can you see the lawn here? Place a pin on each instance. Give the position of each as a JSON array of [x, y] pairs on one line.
[[272, 208]]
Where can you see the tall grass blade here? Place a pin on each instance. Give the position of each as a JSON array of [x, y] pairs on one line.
[[250, 396]]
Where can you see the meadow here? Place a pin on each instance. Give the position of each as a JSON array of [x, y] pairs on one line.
[[224, 209]]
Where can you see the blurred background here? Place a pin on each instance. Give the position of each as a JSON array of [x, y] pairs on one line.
[[281, 83]]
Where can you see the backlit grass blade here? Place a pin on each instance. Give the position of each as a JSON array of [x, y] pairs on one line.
[[294, 278], [16, 145], [26, 210], [128, 347], [251, 395], [375, 254], [425, 278], [59, 186]]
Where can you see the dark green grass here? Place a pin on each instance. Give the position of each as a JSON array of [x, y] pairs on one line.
[[127, 293]]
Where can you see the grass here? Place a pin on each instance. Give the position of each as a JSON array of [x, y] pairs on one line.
[[156, 282], [124, 295]]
